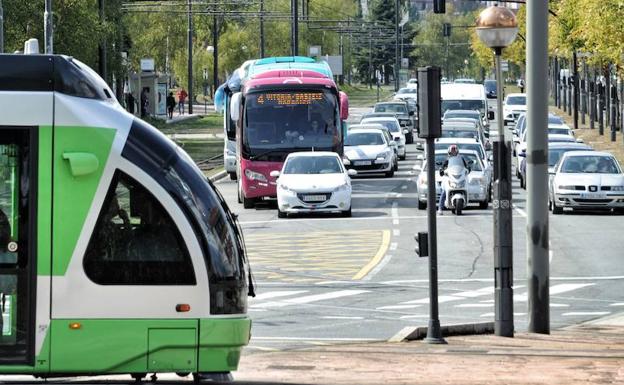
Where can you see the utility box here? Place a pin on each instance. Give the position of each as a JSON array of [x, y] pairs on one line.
[[429, 103]]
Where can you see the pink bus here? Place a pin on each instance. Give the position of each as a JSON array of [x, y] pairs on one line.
[[279, 112]]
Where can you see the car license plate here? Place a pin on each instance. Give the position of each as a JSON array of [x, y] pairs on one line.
[[362, 163], [593, 196], [314, 198]]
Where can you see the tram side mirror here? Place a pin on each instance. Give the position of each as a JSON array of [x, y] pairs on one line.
[[275, 174], [490, 115], [344, 106], [235, 105]]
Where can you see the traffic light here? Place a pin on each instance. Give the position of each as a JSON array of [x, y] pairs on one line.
[[422, 244], [439, 6], [446, 31]]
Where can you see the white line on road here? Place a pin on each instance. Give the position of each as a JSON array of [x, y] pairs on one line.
[[309, 298], [557, 289], [398, 307], [468, 280], [617, 304], [559, 305], [341, 317], [396, 232], [457, 296], [487, 315], [356, 218], [314, 339], [393, 246], [520, 211], [576, 313], [276, 294], [378, 268], [471, 305], [395, 213], [414, 316]]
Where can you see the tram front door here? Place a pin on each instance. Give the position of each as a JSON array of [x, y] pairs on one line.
[[17, 190]]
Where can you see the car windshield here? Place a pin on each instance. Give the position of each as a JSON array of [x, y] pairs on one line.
[[407, 91], [463, 105], [554, 119], [472, 161], [312, 165], [463, 146], [466, 115], [516, 101], [439, 161], [364, 139], [591, 164], [391, 125], [280, 122], [400, 108], [490, 85], [560, 131], [459, 134], [555, 154], [564, 139]]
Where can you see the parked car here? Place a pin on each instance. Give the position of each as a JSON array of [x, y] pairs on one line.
[[479, 182], [587, 180], [397, 132], [369, 152], [513, 106], [313, 182]]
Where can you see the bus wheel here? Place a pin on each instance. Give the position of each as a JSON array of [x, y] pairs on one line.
[[138, 376], [185, 374], [248, 203], [232, 175]]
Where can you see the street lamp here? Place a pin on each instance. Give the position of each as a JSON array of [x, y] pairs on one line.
[[497, 28]]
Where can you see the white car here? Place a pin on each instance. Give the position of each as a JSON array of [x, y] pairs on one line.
[[398, 133], [556, 133], [479, 186], [313, 182], [587, 180], [369, 152], [468, 144], [407, 93], [513, 106]]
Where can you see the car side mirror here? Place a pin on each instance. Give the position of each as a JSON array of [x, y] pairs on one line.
[[491, 158], [490, 115], [579, 140], [411, 113], [352, 172], [275, 174]]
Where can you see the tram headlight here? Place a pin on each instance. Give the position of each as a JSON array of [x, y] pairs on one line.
[[252, 175]]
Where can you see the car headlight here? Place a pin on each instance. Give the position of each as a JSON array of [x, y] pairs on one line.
[[617, 188], [346, 161], [252, 175], [383, 155], [282, 186], [566, 187], [343, 187]]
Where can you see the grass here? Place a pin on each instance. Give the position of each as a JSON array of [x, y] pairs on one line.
[[207, 124], [592, 137], [361, 96], [202, 149]]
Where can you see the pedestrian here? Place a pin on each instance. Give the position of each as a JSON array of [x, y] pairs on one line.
[[130, 102], [181, 99], [170, 104], [521, 85], [144, 102]]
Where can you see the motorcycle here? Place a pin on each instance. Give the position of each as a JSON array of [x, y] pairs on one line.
[[454, 184]]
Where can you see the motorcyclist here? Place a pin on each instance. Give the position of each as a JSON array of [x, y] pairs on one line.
[[452, 152]]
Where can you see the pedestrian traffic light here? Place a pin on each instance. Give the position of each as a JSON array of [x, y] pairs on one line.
[[439, 6], [422, 244], [446, 29]]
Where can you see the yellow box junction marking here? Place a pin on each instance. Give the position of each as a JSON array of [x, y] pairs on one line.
[[316, 255]]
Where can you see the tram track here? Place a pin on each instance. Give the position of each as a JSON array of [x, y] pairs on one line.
[[210, 163]]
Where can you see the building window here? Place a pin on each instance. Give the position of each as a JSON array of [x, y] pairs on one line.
[[135, 241]]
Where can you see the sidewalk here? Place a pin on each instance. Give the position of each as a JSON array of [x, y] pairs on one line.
[[588, 353]]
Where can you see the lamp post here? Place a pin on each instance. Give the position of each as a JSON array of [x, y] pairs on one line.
[[497, 28]]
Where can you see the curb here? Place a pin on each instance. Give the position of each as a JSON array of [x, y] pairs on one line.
[[419, 333], [610, 320], [218, 176]]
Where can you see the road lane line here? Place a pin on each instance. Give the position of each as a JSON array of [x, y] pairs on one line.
[[617, 304], [385, 242], [309, 298], [457, 296], [398, 307], [396, 232], [520, 211], [576, 313], [395, 213], [378, 268], [557, 289], [276, 294], [339, 317], [356, 218], [394, 246], [473, 305], [414, 316]]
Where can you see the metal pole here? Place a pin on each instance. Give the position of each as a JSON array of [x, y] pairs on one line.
[[215, 53], [48, 28], [537, 167], [503, 236], [601, 98], [584, 94], [556, 75], [592, 103], [102, 47], [434, 334], [370, 60], [397, 60], [576, 89], [1, 28], [190, 57], [261, 28], [294, 5]]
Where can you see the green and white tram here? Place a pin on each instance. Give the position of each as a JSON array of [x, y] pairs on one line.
[[116, 254]]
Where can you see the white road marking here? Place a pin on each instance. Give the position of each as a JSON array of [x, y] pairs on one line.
[[314, 339], [276, 294], [341, 317], [557, 289], [309, 298], [383, 196], [356, 218], [393, 246], [559, 305], [396, 232], [575, 313], [398, 307], [457, 296], [617, 304], [520, 211], [487, 315], [468, 280], [414, 316], [519, 314], [395, 213], [472, 305], [261, 348]]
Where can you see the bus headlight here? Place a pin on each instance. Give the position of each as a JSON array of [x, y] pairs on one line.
[[252, 175]]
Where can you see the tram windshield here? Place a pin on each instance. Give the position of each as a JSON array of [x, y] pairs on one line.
[[279, 122]]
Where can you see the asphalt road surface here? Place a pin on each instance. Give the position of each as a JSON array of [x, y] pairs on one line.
[[323, 279]]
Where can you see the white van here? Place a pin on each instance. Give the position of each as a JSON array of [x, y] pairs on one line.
[[466, 97]]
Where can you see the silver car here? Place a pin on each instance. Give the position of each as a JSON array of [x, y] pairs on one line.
[[587, 180]]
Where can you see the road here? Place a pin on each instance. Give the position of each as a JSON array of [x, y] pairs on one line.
[[324, 280]]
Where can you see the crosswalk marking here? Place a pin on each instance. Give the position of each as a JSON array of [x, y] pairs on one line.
[[554, 290], [309, 298], [488, 290], [277, 294], [577, 313]]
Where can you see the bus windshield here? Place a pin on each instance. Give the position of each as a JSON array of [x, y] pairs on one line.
[[279, 122], [463, 104]]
